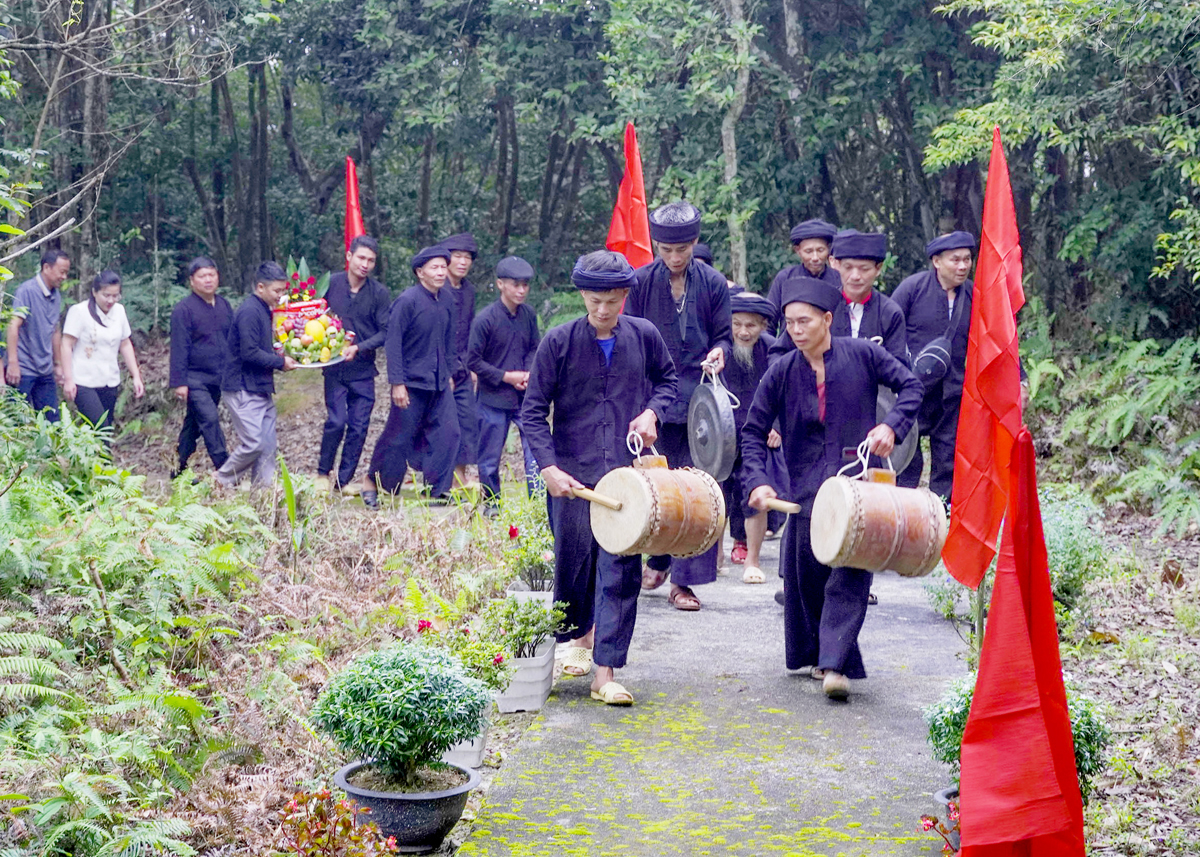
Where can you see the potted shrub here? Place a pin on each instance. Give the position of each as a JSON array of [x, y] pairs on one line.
[[947, 719], [395, 712], [484, 657], [526, 630]]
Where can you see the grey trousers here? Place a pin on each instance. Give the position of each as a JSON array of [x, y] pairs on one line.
[[254, 418]]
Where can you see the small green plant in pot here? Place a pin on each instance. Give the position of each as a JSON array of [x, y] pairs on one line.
[[526, 630], [529, 555], [396, 712]]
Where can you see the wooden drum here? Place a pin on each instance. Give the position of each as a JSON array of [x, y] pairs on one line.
[[878, 527], [678, 512]]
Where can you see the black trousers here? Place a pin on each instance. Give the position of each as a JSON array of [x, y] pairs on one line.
[[97, 404], [202, 420], [937, 420], [673, 443], [348, 406], [430, 414], [598, 587], [823, 608]]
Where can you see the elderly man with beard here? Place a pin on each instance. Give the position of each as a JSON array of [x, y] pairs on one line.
[[688, 302], [753, 316]]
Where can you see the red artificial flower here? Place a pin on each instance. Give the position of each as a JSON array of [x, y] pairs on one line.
[[312, 281], [295, 275], [499, 659], [423, 626], [513, 532]]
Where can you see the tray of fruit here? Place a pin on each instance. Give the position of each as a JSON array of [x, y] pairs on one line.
[[316, 342]]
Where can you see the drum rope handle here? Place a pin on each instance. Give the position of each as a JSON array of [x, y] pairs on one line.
[[709, 371], [635, 445], [861, 461]]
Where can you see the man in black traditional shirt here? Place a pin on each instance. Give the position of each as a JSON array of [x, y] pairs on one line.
[[463, 252], [362, 303], [420, 363], [504, 338], [606, 375], [812, 242], [688, 302], [199, 346], [249, 382]]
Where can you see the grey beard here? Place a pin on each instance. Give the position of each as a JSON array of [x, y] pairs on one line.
[[744, 354]]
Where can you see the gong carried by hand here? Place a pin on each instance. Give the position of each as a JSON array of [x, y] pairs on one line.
[[712, 435], [902, 454]]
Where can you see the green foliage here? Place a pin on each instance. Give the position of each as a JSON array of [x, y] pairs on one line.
[[313, 824], [1077, 554], [529, 554], [402, 708], [947, 720], [522, 626], [479, 651]]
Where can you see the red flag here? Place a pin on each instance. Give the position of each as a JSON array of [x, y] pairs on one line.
[[1019, 787], [354, 220], [990, 414], [629, 233]]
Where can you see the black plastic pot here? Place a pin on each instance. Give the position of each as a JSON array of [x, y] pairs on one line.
[[419, 821], [944, 797]]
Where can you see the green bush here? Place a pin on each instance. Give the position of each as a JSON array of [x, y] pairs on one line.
[[947, 720], [529, 553], [1076, 552], [522, 626], [401, 708]]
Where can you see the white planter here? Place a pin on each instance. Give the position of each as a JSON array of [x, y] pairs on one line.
[[531, 682], [468, 754], [522, 593]]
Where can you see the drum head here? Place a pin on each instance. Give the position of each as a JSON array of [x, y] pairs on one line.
[[905, 449], [622, 532], [712, 435], [831, 513]]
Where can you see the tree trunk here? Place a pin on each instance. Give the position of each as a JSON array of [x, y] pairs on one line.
[[736, 218], [266, 239], [514, 165], [241, 190], [424, 227]]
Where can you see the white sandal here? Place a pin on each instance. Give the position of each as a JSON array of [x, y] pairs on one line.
[[753, 574], [577, 658]]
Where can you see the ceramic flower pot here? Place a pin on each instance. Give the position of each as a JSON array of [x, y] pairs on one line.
[[531, 682], [944, 797], [468, 754], [419, 821], [520, 591]]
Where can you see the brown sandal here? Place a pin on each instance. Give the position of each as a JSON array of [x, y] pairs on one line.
[[684, 599], [652, 579]]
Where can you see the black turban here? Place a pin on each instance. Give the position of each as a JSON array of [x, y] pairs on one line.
[[953, 241], [852, 244], [750, 302], [679, 232], [809, 290], [514, 268], [813, 229], [427, 253], [602, 281], [463, 241], [702, 252]]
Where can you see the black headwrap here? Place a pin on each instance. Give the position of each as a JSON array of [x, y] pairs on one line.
[[674, 233], [750, 302], [852, 244], [427, 253], [813, 229], [602, 281], [464, 241], [809, 290], [953, 241], [704, 253]]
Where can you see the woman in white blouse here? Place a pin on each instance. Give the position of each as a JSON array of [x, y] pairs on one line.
[[94, 332]]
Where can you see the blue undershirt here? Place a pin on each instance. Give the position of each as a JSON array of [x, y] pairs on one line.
[[606, 345]]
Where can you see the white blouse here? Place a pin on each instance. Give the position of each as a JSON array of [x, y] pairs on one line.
[[94, 360]]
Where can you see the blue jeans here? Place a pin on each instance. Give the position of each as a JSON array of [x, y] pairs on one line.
[[42, 394], [493, 432]]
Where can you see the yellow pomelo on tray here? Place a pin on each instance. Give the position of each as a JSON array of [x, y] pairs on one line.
[[316, 330]]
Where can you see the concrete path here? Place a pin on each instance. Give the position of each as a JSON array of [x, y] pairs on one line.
[[727, 753]]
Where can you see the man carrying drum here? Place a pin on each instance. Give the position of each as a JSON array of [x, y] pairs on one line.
[[823, 395], [607, 376]]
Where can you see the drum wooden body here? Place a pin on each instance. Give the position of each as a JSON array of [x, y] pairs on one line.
[[878, 527], [663, 512]]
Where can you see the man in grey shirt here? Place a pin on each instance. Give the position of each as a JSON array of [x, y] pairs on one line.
[[33, 335]]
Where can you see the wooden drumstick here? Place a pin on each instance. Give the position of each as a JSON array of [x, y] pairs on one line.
[[777, 505], [607, 502]]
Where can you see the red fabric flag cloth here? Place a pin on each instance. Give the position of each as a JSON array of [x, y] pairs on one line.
[[990, 415], [629, 233], [354, 220], [1019, 791]]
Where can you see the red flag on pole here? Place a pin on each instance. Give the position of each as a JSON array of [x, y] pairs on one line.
[[629, 233], [1019, 791], [354, 220], [990, 415]]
